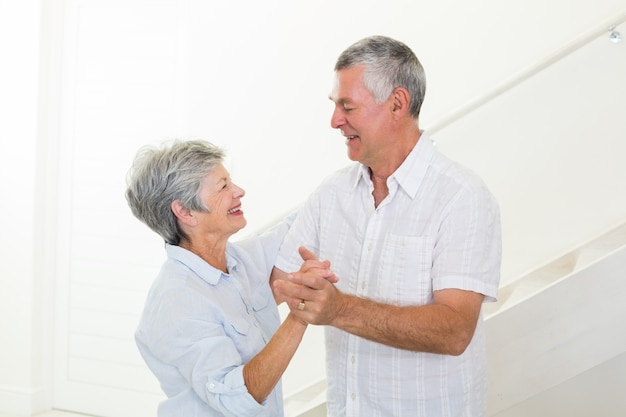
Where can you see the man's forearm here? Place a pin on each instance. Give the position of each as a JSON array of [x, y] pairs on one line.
[[433, 328]]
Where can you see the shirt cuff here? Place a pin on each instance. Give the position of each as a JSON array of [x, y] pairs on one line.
[[232, 395]]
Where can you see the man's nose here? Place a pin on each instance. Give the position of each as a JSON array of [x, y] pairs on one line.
[[337, 119]]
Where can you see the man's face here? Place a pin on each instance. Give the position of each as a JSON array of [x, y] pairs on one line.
[[363, 122]]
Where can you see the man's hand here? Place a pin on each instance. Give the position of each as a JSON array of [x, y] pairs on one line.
[[311, 262], [310, 293], [311, 265]]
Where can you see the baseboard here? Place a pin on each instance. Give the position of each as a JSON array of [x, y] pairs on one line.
[[23, 401]]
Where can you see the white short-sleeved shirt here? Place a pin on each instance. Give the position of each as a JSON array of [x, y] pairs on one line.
[[200, 326], [438, 228]]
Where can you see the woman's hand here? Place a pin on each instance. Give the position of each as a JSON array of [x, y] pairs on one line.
[[310, 265], [311, 262]]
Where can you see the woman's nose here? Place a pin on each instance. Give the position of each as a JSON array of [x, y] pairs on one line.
[[238, 191]]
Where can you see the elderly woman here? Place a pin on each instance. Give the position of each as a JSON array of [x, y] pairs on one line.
[[210, 330]]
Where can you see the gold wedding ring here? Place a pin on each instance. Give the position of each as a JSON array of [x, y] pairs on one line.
[[301, 305]]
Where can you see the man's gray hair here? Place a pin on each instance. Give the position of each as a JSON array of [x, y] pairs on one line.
[[389, 64], [160, 175]]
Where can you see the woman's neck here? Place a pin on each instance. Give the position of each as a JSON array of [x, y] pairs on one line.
[[213, 252]]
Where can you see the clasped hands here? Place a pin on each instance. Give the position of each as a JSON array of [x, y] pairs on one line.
[[310, 292]]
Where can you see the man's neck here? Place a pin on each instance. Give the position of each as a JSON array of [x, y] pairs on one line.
[[380, 187]]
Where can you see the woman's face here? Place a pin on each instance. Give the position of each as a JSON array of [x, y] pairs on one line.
[[223, 198]]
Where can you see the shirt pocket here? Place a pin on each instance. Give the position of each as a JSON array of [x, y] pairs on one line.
[[245, 336], [404, 274], [266, 312], [261, 299], [240, 325]]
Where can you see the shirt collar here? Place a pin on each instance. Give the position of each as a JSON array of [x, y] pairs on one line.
[[362, 173], [410, 174], [198, 265]]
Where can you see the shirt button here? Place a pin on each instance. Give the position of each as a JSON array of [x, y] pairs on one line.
[[362, 285], [353, 396], [352, 359]]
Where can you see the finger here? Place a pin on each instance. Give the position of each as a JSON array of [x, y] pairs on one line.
[[311, 261], [310, 264], [323, 269], [314, 279], [332, 278], [294, 305], [291, 292], [306, 254]]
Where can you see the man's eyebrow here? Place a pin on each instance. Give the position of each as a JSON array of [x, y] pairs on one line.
[[340, 101]]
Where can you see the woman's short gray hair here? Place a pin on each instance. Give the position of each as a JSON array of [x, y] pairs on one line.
[[160, 175], [389, 64]]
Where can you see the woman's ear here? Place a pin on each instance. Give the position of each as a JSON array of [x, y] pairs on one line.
[[183, 214]]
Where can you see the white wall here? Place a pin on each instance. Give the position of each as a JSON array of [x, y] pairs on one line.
[[21, 296], [255, 78], [552, 150]]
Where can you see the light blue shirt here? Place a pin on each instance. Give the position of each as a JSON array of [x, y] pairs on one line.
[[200, 326]]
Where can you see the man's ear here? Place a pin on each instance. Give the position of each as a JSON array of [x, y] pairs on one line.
[[400, 101], [183, 214]]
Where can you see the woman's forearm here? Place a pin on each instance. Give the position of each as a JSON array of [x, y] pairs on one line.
[[264, 371]]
